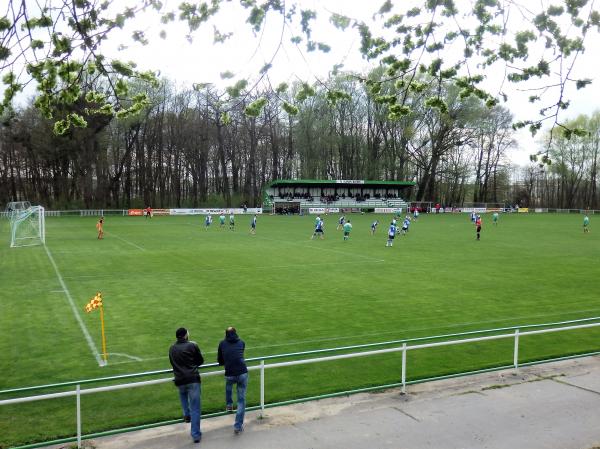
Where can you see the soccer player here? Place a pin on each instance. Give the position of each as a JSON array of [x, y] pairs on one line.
[[405, 225], [478, 226], [148, 212], [100, 228], [207, 221], [347, 229], [317, 220], [416, 214], [231, 222], [374, 227], [495, 218], [253, 225], [391, 235], [586, 224], [473, 217], [222, 221], [318, 230], [341, 223]]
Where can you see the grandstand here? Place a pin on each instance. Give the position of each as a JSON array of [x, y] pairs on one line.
[[294, 196]]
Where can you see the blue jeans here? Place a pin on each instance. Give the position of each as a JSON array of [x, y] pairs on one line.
[[241, 382], [189, 395]]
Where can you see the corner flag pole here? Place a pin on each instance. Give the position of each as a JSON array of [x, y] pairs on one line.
[[104, 354]]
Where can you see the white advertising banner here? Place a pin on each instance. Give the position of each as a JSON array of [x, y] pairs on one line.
[[388, 210], [323, 210], [477, 210], [250, 210]]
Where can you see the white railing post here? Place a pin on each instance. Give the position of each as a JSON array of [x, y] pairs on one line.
[[403, 368], [78, 416], [516, 354], [262, 388]]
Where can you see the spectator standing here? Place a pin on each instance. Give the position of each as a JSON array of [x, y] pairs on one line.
[[185, 358], [231, 355]]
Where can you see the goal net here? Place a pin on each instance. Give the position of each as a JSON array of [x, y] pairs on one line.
[[27, 226]]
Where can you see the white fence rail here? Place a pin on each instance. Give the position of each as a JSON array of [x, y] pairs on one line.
[[404, 348]]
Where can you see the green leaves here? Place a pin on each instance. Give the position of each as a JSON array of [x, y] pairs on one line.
[[305, 92], [256, 18], [236, 90], [225, 118], [335, 95], [289, 108], [339, 21], [122, 68], [62, 126], [4, 24], [437, 103], [580, 84], [385, 8], [281, 88], [254, 109]]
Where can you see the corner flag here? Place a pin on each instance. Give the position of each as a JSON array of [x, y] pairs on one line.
[[96, 303]]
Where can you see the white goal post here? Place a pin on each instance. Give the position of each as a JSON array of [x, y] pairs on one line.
[[27, 227]]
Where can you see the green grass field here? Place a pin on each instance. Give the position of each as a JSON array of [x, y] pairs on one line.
[[284, 293]]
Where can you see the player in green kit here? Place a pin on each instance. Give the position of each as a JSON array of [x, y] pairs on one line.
[[347, 229], [222, 221], [495, 218], [586, 224]]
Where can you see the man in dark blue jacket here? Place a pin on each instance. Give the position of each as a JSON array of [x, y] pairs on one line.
[[185, 358], [231, 354]]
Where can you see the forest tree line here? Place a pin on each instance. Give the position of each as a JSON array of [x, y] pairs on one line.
[[199, 146]]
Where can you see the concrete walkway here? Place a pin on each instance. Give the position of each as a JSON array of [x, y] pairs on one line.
[[551, 406]]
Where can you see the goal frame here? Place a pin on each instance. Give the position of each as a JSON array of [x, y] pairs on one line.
[[18, 218]]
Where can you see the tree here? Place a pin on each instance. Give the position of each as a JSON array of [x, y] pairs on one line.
[[59, 47]]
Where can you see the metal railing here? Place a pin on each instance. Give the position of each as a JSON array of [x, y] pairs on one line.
[[404, 346]]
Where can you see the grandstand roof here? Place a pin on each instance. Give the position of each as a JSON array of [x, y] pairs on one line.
[[340, 182]]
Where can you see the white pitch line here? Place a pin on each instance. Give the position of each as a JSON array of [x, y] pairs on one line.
[[126, 241], [82, 325], [127, 356]]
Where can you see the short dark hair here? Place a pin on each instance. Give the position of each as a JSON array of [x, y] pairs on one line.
[[181, 332], [230, 330]]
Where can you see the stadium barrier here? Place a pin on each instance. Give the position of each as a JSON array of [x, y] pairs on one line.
[[516, 332]]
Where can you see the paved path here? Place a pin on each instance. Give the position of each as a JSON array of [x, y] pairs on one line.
[[551, 406]]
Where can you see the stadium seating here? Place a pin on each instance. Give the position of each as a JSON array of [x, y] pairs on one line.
[[370, 203]]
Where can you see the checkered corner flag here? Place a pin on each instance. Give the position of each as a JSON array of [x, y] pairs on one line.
[[96, 303]]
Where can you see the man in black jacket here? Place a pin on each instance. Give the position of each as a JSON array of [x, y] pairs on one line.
[[231, 354], [185, 358]]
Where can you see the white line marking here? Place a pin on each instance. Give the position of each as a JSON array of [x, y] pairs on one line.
[[347, 337], [122, 354], [84, 329], [126, 241]]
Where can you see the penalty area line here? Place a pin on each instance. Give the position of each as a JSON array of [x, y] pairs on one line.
[[125, 240], [82, 325]]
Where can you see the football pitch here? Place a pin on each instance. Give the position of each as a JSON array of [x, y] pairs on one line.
[[284, 293]]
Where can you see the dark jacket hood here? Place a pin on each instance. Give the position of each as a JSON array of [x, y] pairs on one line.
[[231, 337]]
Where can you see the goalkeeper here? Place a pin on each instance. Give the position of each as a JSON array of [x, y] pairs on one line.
[[100, 228]]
